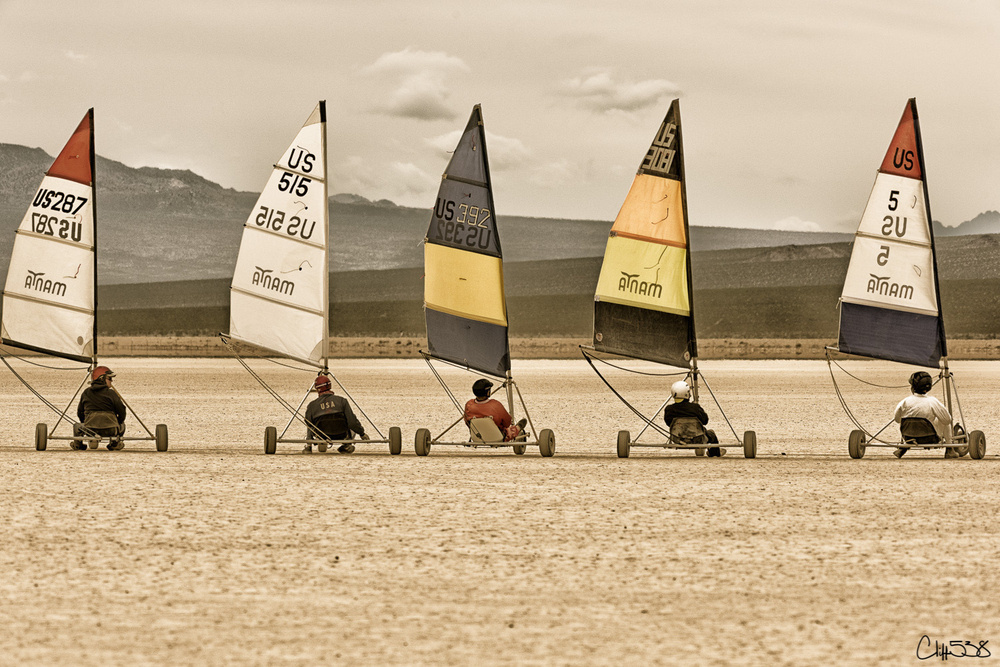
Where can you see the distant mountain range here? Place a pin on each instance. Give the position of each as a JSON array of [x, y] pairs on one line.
[[159, 225]]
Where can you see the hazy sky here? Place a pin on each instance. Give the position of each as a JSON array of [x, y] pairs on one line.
[[787, 105]]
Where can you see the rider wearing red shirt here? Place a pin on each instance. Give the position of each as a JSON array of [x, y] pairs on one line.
[[484, 406]]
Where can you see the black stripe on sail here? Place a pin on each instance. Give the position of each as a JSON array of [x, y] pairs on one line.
[[478, 345], [643, 334], [895, 335]]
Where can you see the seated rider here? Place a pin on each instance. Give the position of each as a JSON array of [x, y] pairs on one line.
[[484, 406], [324, 413], [683, 407], [101, 411], [918, 405]]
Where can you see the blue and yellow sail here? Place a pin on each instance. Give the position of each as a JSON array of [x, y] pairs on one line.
[[465, 309]]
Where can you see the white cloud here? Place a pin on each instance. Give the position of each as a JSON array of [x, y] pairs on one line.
[[556, 174], [4, 78], [421, 83], [796, 224], [410, 179], [78, 57], [504, 152], [596, 89]]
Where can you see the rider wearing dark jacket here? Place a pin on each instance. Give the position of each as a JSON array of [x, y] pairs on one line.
[[101, 410]]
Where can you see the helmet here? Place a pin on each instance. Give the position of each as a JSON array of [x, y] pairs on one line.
[[322, 383], [680, 390], [481, 387], [921, 382], [100, 372]]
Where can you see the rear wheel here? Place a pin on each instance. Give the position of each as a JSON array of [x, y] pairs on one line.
[[322, 447], [395, 440], [270, 440], [41, 437], [422, 442], [750, 445], [856, 444], [700, 451], [547, 443], [161, 437], [977, 444], [624, 445]]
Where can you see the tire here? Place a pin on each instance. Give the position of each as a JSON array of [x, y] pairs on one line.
[[322, 447], [161, 437], [700, 451], [422, 442], [547, 443], [856, 444], [41, 437], [520, 449], [977, 444], [750, 445], [624, 444], [395, 440], [270, 440]]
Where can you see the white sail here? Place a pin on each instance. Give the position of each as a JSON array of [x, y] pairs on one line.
[[49, 299], [279, 295], [892, 265]]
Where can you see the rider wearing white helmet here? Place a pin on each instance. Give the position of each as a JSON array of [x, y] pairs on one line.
[[683, 407]]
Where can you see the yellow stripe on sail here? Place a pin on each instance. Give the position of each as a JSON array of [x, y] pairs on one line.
[[466, 284], [653, 210], [644, 275]]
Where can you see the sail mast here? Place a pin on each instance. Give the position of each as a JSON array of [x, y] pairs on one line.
[[93, 200], [326, 231], [930, 224]]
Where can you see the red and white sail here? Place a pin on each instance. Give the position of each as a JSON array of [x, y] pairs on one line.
[[49, 298]]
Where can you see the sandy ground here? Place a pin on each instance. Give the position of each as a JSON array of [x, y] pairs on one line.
[[214, 553]]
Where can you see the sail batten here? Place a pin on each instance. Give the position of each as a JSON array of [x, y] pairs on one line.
[[50, 296], [465, 309], [279, 297], [890, 304], [643, 305]]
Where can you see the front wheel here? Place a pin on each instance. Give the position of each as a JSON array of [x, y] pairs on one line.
[[624, 445], [547, 443], [520, 449], [856, 444], [422, 442], [395, 440], [41, 437], [270, 440], [750, 445], [977, 444], [161, 437]]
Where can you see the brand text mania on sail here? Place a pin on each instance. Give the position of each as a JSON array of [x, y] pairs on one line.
[[881, 285], [266, 279], [629, 282], [37, 281]]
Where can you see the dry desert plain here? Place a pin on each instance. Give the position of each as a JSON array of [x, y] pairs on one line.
[[214, 553]]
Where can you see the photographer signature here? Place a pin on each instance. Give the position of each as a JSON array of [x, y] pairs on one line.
[[955, 648]]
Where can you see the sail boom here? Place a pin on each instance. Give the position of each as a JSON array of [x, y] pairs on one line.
[[278, 353], [52, 353]]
